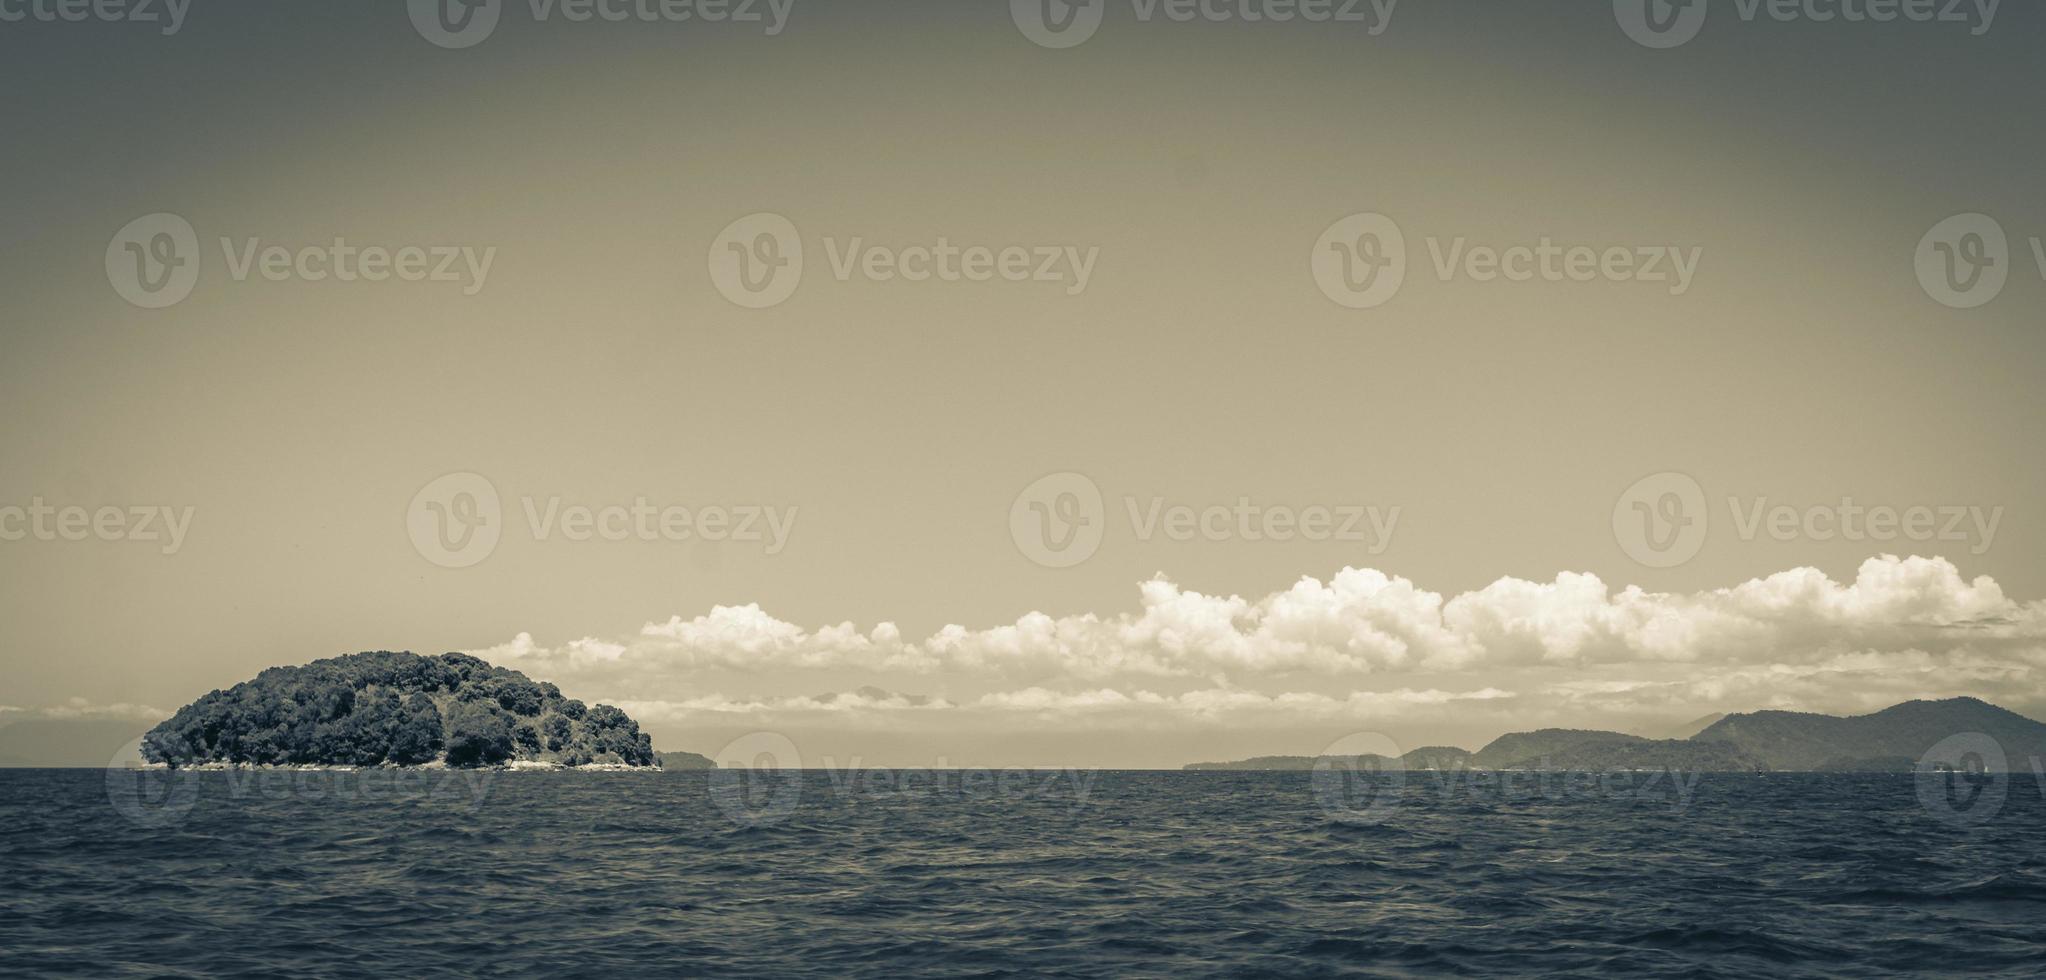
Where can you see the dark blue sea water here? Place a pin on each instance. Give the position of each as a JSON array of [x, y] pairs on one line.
[[384, 874]]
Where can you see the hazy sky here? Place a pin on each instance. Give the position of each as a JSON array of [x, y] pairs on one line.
[[1754, 301]]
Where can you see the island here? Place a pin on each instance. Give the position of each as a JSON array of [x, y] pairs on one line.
[[397, 709], [1891, 740]]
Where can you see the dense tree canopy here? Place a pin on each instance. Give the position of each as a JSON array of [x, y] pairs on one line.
[[370, 709]]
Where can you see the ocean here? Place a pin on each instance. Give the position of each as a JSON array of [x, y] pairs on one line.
[[1023, 873]]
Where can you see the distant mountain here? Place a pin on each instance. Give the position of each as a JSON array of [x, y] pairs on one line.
[[685, 761], [1557, 748], [1900, 733], [1891, 740], [386, 708]]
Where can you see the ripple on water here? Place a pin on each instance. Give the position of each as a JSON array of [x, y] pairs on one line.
[[1238, 874]]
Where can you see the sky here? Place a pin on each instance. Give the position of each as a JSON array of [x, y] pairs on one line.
[[934, 387]]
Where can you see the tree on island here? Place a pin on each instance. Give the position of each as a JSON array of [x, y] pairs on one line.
[[379, 708]]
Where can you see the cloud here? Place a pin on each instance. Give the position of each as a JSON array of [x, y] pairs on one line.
[[79, 709], [1902, 625], [745, 637], [866, 699], [1231, 701], [1101, 705]]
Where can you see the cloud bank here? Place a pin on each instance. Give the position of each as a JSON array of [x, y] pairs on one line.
[[1362, 647], [79, 709]]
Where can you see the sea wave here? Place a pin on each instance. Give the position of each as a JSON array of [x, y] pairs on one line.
[[1147, 873]]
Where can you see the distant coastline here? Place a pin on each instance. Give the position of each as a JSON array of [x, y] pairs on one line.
[[1975, 733]]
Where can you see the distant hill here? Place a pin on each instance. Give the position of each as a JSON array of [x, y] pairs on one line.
[[386, 708], [685, 761], [1556, 748], [1890, 740], [1800, 740], [1437, 757]]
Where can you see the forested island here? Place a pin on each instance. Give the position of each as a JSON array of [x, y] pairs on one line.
[[399, 709], [1891, 740]]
